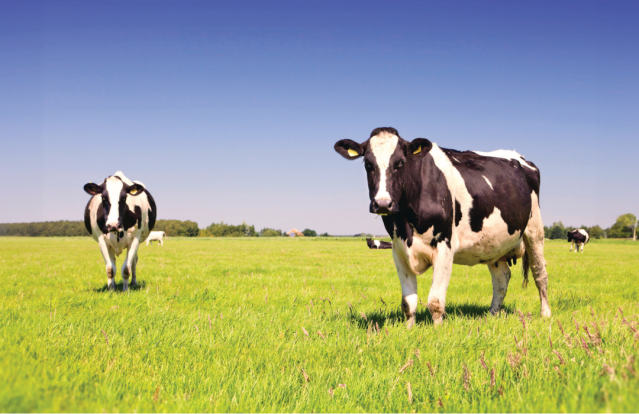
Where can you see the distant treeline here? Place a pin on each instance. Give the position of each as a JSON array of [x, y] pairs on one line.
[[624, 227], [171, 227]]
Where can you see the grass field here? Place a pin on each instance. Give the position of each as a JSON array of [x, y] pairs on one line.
[[221, 325]]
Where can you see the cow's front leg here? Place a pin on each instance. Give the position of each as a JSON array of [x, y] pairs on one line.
[[408, 280], [132, 253], [501, 277], [109, 260], [442, 269]]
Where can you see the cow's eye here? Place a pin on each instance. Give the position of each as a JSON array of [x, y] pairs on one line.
[[368, 166], [400, 164]]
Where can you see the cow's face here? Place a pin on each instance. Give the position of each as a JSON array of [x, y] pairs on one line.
[[386, 156], [114, 193]]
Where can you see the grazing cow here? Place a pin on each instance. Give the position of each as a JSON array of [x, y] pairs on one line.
[[119, 215], [156, 235], [579, 237], [443, 206], [376, 244]]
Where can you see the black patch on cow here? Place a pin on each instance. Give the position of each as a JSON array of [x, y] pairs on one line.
[[458, 213], [129, 218], [152, 215], [510, 193], [101, 218], [138, 216], [577, 236], [87, 217]]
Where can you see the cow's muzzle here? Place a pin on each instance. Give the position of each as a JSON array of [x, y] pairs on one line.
[[110, 228], [382, 206]]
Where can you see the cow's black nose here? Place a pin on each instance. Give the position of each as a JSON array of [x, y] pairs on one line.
[[111, 228], [382, 206]]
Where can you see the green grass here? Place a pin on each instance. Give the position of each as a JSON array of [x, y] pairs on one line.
[[260, 294]]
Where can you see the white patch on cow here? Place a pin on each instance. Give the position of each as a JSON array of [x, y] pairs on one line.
[[489, 184], [508, 155], [376, 242], [113, 187], [383, 146]]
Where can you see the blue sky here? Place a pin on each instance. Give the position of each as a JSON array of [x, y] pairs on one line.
[[229, 110]]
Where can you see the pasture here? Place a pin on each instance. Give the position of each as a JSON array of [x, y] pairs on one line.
[[308, 325]]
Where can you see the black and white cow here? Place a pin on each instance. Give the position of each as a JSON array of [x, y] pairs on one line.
[[120, 214], [579, 237], [443, 206], [377, 244]]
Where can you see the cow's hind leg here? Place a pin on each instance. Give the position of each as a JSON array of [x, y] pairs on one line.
[[132, 253], [134, 265], [501, 277], [534, 259]]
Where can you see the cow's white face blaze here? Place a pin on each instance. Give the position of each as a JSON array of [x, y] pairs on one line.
[[383, 146], [115, 195]]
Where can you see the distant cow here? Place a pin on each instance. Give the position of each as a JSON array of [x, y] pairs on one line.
[[443, 206], [579, 237], [376, 244], [156, 235], [119, 215]]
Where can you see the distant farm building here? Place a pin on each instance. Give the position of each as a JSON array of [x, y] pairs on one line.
[[294, 233]]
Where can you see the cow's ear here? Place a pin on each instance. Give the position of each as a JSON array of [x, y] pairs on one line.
[[93, 189], [349, 149], [419, 146], [135, 189]]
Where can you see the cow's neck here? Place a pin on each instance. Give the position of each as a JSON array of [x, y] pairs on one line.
[[426, 202]]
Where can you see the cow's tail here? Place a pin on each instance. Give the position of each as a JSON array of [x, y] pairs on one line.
[[525, 267]]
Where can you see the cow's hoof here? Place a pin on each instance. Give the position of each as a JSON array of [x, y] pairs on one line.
[[546, 313], [410, 322]]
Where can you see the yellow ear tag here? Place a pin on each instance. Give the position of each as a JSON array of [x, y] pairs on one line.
[[133, 192], [352, 153], [418, 150]]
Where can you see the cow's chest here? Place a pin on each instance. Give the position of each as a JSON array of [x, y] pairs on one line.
[[118, 244]]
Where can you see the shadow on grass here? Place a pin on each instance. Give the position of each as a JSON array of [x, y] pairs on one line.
[[118, 287], [423, 316]]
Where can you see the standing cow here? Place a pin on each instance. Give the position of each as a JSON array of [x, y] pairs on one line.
[[442, 206], [119, 215], [156, 235], [377, 244], [579, 237]]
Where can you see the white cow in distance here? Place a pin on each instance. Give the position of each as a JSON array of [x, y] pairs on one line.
[[156, 235]]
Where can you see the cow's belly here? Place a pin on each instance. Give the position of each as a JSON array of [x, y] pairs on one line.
[[490, 250]]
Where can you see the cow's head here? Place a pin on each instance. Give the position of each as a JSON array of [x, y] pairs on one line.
[[570, 236], [388, 160], [114, 192]]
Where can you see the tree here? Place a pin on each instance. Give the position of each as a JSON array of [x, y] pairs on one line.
[[325, 235], [309, 233], [596, 232], [266, 232], [623, 227]]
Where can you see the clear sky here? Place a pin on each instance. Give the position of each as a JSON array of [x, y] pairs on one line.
[[229, 110]]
